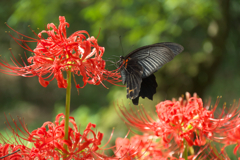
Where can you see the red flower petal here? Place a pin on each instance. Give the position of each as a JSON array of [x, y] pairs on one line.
[[43, 82]]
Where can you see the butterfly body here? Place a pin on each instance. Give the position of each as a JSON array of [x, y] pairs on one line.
[[137, 68]]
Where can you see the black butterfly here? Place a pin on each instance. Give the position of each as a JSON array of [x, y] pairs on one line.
[[137, 68]]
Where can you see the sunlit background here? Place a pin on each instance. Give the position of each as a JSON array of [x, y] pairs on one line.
[[209, 30]]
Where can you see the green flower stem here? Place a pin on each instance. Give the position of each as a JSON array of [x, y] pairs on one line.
[[185, 153], [67, 109], [216, 152]]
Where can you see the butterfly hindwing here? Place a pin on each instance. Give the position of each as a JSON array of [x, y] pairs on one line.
[[148, 88], [131, 74]]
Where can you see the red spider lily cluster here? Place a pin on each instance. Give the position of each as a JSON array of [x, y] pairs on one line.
[[78, 53], [175, 131], [48, 142], [184, 124], [150, 148]]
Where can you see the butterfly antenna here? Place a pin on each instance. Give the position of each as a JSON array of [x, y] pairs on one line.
[[132, 46], [121, 44]]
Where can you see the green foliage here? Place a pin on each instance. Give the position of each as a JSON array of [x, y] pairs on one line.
[[208, 30]]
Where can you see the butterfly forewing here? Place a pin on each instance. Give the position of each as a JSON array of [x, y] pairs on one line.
[[152, 57], [175, 48]]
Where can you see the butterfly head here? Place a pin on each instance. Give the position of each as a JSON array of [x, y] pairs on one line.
[[120, 61]]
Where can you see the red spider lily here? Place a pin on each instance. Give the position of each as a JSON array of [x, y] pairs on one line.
[[145, 147], [233, 137], [10, 151], [48, 143], [57, 53], [180, 121], [138, 147], [211, 152]]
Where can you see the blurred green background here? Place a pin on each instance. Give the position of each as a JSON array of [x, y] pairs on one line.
[[209, 30]]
